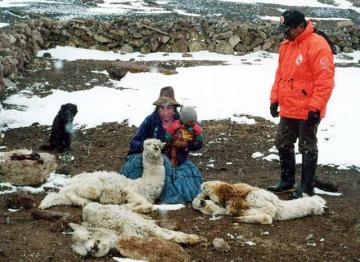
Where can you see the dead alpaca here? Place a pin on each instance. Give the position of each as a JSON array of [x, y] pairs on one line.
[[105, 225], [62, 129], [250, 204], [113, 188]]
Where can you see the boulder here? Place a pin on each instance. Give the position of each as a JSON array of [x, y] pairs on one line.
[[27, 170]]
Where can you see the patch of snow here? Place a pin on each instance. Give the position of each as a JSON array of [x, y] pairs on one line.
[[168, 207], [321, 192], [250, 243], [257, 155], [271, 157]]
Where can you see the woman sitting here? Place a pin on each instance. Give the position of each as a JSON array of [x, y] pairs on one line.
[[182, 183]]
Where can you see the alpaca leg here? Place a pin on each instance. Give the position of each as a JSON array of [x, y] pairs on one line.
[[208, 207], [55, 199], [76, 199], [175, 236], [90, 192], [264, 219], [138, 203]]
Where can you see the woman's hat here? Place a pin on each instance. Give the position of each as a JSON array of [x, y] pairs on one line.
[[166, 97]]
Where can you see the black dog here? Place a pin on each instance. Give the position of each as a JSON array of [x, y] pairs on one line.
[[62, 129]]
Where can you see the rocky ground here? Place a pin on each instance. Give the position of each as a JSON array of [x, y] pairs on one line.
[[229, 146]]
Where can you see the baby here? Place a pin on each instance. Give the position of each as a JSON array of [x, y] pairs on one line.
[[185, 130]]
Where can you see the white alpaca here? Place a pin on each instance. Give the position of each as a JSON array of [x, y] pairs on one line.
[[113, 188], [252, 204], [106, 224]]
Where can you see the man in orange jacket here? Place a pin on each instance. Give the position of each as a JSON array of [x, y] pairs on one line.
[[303, 85]]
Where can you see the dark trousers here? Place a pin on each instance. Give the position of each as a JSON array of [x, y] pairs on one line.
[[289, 130]]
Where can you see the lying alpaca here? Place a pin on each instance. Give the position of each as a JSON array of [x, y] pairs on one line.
[[106, 224], [113, 188], [252, 204]]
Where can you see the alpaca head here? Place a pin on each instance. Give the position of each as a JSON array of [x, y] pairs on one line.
[[96, 242], [152, 148]]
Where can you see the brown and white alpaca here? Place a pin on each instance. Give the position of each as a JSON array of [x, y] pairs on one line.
[[250, 204], [114, 188]]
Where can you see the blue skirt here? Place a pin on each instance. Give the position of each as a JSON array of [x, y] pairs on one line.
[[182, 183]]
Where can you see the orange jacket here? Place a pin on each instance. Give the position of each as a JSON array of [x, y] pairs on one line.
[[305, 75]]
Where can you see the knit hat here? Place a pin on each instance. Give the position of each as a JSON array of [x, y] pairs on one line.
[[188, 114], [290, 19], [166, 97]]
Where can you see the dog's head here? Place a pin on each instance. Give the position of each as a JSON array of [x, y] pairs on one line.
[[152, 147], [68, 112], [96, 242]]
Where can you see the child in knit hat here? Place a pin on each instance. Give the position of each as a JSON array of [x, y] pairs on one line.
[[183, 133]]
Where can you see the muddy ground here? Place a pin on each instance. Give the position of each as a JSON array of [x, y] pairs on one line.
[[229, 146]]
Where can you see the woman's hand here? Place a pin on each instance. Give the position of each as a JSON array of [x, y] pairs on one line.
[[180, 144]]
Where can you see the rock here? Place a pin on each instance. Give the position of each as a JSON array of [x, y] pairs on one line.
[[127, 48], [102, 39], [234, 40], [151, 249], [222, 36], [187, 55], [25, 172], [347, 49], [223, 47], [196, 46], [180, 46], [117, 73], [220, 245], [47, 55], [309, 237]]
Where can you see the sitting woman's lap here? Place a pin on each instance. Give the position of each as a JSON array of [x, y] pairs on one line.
[[182, 184]]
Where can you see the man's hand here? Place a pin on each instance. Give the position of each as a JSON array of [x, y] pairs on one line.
[[313, 118], [274, 109], [180, 144]]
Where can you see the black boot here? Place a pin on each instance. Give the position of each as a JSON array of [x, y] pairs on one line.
[[309, 162], [287, 166]]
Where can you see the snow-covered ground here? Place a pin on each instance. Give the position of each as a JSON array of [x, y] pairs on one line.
[[343, 4], [69, 8], [218, 92]]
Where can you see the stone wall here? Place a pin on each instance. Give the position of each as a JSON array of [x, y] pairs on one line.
[[20, 43]]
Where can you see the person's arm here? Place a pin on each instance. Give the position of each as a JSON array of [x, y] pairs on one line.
[[198, 140], [136, 143], [274, 94], [323, 69]]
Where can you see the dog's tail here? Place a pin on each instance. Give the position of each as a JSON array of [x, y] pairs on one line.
[[297, 208]]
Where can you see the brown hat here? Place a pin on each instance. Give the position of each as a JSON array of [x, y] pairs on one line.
[[166, 97]]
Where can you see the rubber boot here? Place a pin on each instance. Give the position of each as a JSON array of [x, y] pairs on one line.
[[287, 166], [309, 162]]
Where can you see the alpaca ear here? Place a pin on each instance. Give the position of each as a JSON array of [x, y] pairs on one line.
[[80, 231], [163, 144]]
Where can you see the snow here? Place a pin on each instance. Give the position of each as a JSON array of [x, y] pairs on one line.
[[54, 181], [342, 4], [227, 91], [167, 207], [257, 155], [4, 24]]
